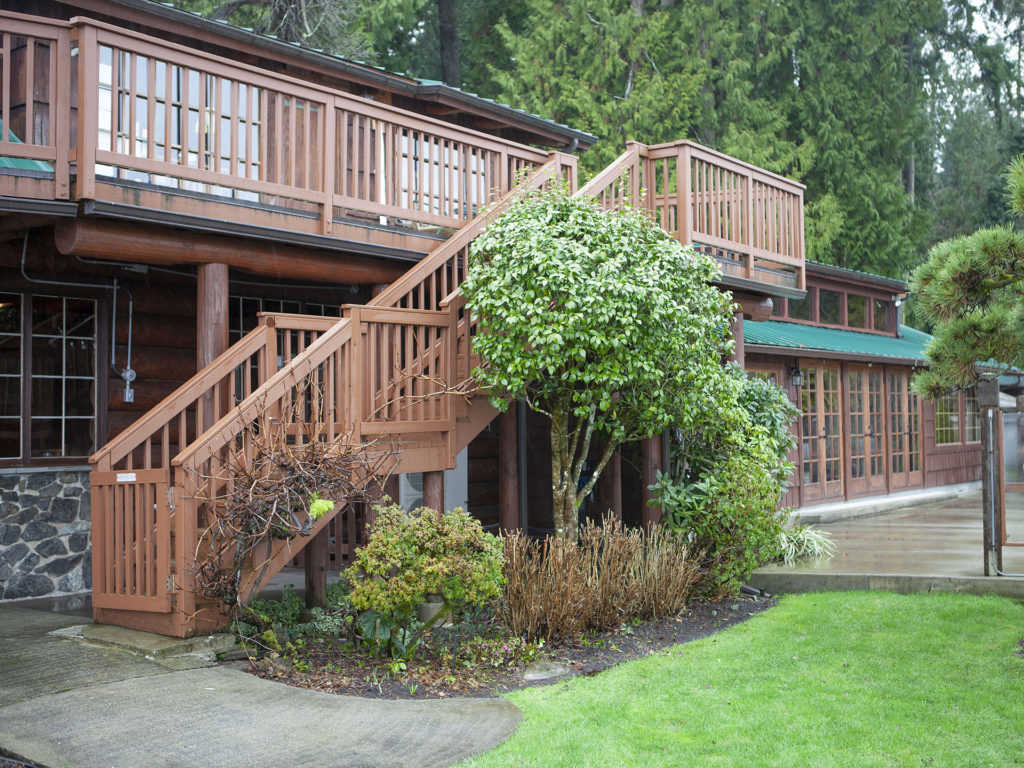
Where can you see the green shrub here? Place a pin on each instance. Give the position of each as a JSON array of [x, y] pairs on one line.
[[730, 513], [725, 481], [409, 557]]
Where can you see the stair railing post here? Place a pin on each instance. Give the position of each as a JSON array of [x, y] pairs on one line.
[[684, 201]]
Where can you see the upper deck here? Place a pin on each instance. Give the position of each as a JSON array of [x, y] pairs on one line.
[[102, 122]]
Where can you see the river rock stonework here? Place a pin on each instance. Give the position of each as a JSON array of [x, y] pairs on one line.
[[45, 547]]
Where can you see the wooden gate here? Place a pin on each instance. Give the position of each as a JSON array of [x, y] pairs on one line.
[[131, 539]]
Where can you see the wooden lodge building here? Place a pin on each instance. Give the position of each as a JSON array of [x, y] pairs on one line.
[[197, 222]]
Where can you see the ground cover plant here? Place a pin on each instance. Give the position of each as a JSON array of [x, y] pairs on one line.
[[614, 594], [825, 680]]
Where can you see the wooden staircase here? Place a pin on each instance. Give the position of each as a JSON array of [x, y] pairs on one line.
[[387, 374]]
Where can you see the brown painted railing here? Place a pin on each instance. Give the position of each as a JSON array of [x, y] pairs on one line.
[[35, 101], [750, 220], [158, 117]]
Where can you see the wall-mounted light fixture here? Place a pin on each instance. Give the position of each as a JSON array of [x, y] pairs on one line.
[[796, 376]]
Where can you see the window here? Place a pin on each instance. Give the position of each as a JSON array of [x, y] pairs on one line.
[[856, 311], [778, 308], [828, 307], [972, 417], [769, 376], [947, 419], [10, 376], [882, 315], [243, 312], [58, 350], [800, 309]]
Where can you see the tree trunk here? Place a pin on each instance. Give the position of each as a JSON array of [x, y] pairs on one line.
[[449, 38]]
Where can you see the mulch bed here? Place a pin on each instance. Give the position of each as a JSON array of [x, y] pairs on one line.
[[360, 675]]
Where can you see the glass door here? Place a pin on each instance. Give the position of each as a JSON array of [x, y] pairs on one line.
[[820, 432], [865, 430], [904, 431]]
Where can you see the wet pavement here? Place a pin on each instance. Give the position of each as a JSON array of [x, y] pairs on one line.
[[939, 543]]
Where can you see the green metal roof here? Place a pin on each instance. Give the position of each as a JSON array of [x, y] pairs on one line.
[[19, 163], [813, 338]]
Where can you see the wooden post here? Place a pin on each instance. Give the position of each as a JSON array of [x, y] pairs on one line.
[[609, 487], [317, 559], [738, 355], [650, 464], [508, 471], [211, 325], [991, 456], [391, 487], [433, 490]]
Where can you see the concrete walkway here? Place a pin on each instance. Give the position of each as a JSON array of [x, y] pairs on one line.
[[64, 702], [936, 546]]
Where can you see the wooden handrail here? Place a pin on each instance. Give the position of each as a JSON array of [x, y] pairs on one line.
[[172, 405]]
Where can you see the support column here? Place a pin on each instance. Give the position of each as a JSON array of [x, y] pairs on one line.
[[991, 490], [211, 312], [508, 470], [211, 327], [433, 490], [317, 557], [609, 487], [391, 488], [738, 355], [650, 464]]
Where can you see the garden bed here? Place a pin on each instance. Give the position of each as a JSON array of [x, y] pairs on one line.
[[486, 662]]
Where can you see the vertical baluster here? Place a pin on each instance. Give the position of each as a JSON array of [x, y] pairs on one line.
[[8, 79], [139, 539], [165, 445], [119, 548], [184, 137], [147, 457]]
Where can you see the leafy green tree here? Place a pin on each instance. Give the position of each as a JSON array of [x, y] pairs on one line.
[[599, 320], [972, 289]]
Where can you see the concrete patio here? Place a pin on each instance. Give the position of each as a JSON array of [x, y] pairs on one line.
[[936, 546]]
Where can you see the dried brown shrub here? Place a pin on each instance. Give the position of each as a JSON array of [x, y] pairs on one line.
[[557, 589]]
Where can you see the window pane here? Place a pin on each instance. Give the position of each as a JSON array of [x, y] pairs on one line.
[[10, 313], [78, 437], [828, 310], [882, 315], [856, 311], [47, 396], [46, 438], [78, 397], [777, 307], [79, 357], [947, 419], [800, 309], [10, 438], [47, 356], [10, 396], [10, 355], [81, 317], [47, 315]]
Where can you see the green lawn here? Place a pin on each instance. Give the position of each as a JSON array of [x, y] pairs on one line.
[[833, 679]]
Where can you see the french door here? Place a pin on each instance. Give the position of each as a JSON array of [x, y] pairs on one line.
[[904, 432], [821, 441], [865, 429]]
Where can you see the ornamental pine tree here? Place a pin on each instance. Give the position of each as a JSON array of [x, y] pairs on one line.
[[972, 289]]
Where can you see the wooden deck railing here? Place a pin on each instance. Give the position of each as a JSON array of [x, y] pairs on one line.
[[35, 101], [750, 220], [160, 118]]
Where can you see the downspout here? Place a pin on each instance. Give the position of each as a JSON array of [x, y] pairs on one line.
[[521, 463]]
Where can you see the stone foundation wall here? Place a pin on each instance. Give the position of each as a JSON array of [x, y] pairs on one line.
[[45, 546]]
